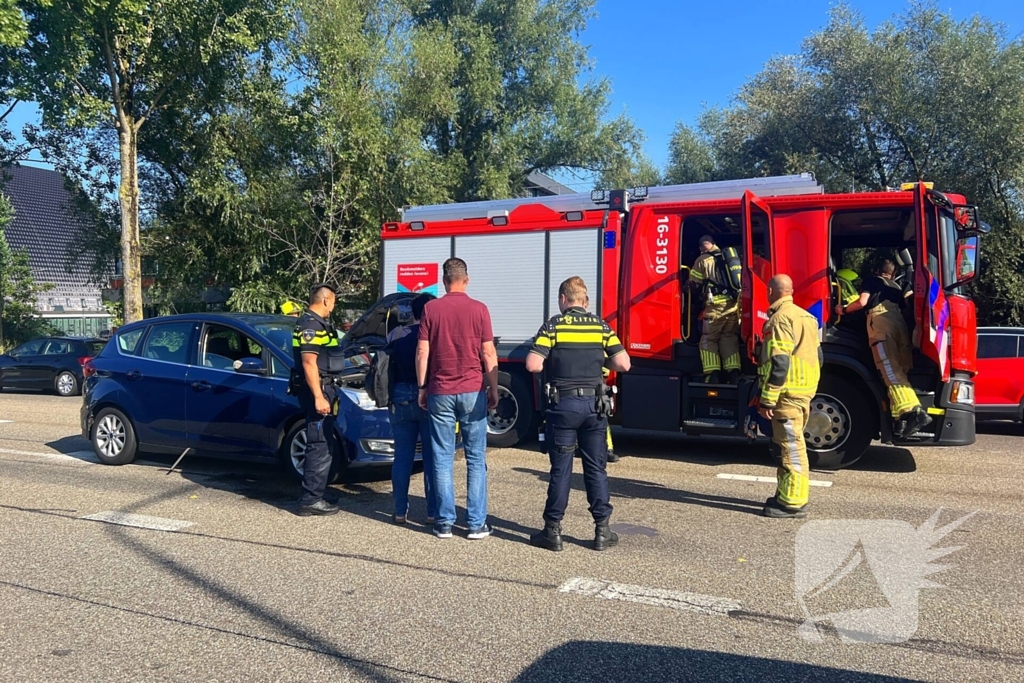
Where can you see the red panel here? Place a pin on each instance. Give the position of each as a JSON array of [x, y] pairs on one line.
[[651, 291], [964, 334], [527, 218], [611, 263], [801, 251], [756, 273]]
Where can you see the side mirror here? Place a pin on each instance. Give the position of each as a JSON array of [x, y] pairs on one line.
[[250, 366], [904, 258], [966, 259]]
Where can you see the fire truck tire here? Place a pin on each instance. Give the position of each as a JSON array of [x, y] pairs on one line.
[[841, 423], [514, 420]]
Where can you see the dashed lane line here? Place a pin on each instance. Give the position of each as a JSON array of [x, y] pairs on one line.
[[766, 480], [138, 521], [658, 597], [73, 458]]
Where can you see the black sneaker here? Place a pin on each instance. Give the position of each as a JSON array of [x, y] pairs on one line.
[[549, 538], [773, 509], [612, 457], [321, 508], [443, 530], [479, 532], [917, 420]]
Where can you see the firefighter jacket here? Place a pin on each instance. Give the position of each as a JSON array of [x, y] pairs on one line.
[[705, 275], [791, 356]]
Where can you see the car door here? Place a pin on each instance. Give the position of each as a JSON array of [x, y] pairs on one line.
[[155, 382], [17, 370], [230, 412], [55, 357]]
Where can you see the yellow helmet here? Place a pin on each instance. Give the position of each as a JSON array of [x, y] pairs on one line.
[[290, 308], [847, 274]]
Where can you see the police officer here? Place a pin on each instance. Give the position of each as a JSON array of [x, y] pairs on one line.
[[790, 367], [719, 340], [891, 346], [315, 345], [576, 345]]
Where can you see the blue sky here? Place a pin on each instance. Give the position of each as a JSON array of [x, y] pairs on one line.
[[666, 59]]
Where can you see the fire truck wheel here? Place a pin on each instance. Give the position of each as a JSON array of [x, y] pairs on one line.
[[514, 418], [840, 426]]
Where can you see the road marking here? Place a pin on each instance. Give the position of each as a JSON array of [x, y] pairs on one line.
[[766, 480], [139, 521], [75, 458], [6, 422], [658, 597]]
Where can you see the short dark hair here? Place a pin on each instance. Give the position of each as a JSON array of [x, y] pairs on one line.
[[706, 238], [887, 268], [419, 303], [319, 291], [455, 270]]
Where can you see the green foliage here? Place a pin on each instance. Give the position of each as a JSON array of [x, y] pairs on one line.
[[18, 290], [922, 97]]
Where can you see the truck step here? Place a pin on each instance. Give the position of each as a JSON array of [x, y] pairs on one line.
[[710, 423]]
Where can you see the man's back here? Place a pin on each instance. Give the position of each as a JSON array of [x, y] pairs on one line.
[[456, 327]]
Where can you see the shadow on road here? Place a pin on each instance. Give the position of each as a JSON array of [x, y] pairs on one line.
[[596, 661], [1000, 428]]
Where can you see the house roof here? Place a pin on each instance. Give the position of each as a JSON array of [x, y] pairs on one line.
[[47, 227]]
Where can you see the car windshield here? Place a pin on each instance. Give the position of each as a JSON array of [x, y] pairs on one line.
[[279, 334]]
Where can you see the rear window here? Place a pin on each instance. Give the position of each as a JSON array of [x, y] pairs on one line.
[[128, 342], [997, 346], [168, 342], [94, 347]]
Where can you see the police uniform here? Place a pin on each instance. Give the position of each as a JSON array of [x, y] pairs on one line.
[[575, 345], [890, 343], [719, 340], [790, 367], [313, 334]]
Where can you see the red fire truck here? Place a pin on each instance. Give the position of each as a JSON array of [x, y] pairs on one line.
[[634, 248]]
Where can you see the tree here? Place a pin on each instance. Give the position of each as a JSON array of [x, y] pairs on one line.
[[18, 290], [119, 64], [922, 97]]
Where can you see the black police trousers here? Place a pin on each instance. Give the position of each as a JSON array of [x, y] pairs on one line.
[[575, 421], [320, 442]]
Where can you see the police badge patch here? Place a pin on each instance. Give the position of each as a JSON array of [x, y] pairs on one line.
[[308, 335]]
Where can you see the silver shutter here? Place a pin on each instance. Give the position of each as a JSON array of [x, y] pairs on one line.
[[573, 252], [506, 272], [414, 250]]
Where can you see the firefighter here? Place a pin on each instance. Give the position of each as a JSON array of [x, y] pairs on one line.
[[790, 366], [291, 309], [576, 346], [890, 345], [848, 292], [719, 341], [317, 360]]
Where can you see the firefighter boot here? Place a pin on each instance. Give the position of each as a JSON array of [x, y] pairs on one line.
[[604, 537], [773, 509], [712, 377], [734, 377], [917, 419], [550, 537]]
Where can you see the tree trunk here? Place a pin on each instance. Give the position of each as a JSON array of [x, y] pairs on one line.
[[128, 196]]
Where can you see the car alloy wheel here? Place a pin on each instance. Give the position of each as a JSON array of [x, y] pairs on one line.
[[66, 384], [111, 436], [297, 451]]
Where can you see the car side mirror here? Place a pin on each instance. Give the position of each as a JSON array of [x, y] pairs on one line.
[[250, 366]]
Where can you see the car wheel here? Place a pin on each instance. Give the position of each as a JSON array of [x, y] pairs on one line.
[[841, 424], [66, 384], [113, 437], [514, 419], [293, 455]]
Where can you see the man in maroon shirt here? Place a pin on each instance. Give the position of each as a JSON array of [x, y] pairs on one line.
[[454, 354]]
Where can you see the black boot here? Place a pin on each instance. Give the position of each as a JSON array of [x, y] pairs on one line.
[[318, 509], [549, 537], [734, 377], [713, 377], [917, 419], [772, 508], [604, 537], [611, 456]]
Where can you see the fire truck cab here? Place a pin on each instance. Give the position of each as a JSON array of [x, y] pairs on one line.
[[634, 250]]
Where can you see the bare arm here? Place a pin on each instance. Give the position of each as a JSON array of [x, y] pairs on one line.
[[859, 303], [422, 356], [312, 374], [534, 362], [490, 358], [619, 362]]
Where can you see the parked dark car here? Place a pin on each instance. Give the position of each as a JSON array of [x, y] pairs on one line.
[[217, 383], [999, 384], [48, 364]]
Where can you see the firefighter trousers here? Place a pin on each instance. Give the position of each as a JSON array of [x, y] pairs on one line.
[[788, 424], [720, 336], [894, 357]]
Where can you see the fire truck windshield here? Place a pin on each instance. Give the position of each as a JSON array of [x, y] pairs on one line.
[[959, 252]]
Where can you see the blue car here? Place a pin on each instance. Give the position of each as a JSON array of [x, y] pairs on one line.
[[217, 383]]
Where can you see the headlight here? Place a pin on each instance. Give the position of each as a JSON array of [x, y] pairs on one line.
[[378, 446], [360, 398], [962, 393]]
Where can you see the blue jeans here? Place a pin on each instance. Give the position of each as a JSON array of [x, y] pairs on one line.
[[409, 421], [470, 411]]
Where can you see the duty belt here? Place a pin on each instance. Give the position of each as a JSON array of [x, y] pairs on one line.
[[579, 391]]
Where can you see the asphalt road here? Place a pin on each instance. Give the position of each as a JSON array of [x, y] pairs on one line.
[[702, 588]]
